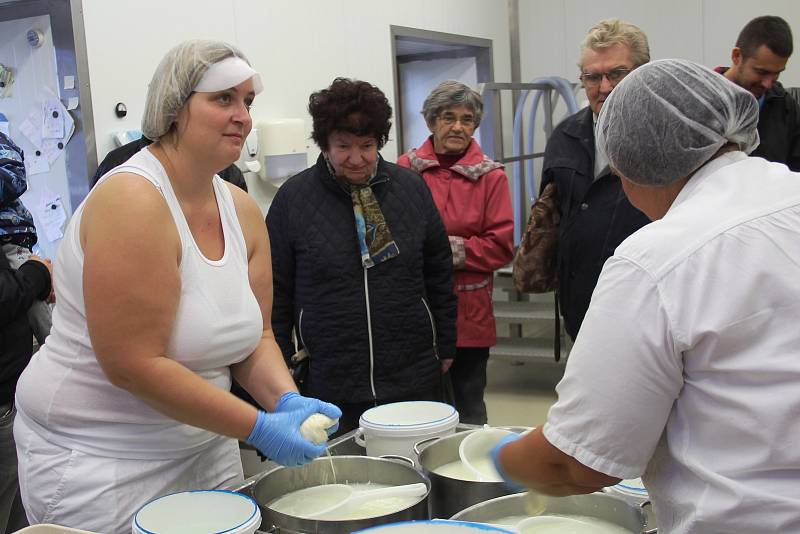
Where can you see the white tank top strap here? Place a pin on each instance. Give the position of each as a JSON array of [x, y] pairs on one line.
[[234, 239], [144, 163]]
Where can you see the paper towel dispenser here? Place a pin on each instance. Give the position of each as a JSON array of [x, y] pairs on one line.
[[249, 160], [282, 149]]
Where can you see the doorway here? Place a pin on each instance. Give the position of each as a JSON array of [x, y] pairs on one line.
[[422, 60]]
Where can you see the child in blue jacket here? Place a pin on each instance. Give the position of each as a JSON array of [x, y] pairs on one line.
[[17, 232]]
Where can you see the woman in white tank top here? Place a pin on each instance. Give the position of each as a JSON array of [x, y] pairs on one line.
[[164, 289]]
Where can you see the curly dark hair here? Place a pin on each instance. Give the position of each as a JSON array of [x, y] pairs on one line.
[[352, 106]]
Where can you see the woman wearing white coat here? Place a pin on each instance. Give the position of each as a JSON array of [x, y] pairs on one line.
[[687, 366]]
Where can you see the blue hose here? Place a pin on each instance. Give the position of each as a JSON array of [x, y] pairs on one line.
[[564, 90]]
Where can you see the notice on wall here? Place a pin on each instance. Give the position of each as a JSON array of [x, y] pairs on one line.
[[36, 163], [53, 148], [40, 131], [52, 215], [53, 125], [31, 127]]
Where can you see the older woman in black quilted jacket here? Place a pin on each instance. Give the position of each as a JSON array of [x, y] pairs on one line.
[[361, 263]]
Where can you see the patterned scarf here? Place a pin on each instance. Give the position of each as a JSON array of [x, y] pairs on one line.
[[374, 237]]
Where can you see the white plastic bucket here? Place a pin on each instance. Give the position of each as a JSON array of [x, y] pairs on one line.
[[393, 429], [436, 526], [198, 512], [632, 490]]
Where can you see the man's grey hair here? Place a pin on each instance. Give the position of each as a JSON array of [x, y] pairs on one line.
[[175, 78], [449, 94], [609, 32]]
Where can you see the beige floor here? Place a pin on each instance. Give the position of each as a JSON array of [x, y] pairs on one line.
[[520, 394]]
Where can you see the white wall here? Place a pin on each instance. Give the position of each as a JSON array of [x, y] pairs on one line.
[[299, 46], [700, 30]]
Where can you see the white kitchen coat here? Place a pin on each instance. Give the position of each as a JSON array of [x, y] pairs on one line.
[[99, 494], [687, 366]]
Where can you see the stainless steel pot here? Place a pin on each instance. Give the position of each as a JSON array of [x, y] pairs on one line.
[[600, 505], [283, 480], [451, 495]]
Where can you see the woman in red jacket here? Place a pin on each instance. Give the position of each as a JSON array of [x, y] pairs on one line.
[[472, 194]]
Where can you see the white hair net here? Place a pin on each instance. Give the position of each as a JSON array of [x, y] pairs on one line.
[[176, 77], [669, 117]]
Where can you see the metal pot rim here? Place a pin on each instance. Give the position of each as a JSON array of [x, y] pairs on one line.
[[618, 501]]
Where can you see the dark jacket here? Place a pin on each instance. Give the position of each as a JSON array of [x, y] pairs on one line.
[[374, 333], [595, 214], [120, 155], [16, 222], [778, 127], [18, 290]]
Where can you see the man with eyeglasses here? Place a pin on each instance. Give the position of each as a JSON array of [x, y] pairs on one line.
[[760, 55], [595, 214]]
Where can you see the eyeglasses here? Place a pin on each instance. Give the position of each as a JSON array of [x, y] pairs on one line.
[[449, 119], [614, 76]]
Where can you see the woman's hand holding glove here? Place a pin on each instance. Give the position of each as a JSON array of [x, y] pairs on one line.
[[277, 434]]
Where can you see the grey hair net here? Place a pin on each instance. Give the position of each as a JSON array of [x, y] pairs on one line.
[[667, 118], [174, 80]]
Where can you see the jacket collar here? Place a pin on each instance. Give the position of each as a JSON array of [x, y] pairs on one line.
[[331, 181], [583, 125], [472, 165], [581, 128]]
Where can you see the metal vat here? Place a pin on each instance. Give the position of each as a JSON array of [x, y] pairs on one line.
[[451, 495], [600, 505], [283, 480]]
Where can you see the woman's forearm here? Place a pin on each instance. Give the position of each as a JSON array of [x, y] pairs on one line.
[[180, 393], [264, 374], [534, 462]]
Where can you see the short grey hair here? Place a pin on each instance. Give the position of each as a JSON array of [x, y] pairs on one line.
[[449, 94], [610, 32], [175, 78]]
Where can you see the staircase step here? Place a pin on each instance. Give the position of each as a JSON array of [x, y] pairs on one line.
[[521, 349], [520, 312]]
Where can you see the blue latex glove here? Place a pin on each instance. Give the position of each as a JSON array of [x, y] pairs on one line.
[[291, 401], [495, 453], [277, 434]]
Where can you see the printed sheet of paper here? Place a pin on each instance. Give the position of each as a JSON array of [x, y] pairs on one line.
[[52, 215], [31, 127], [53, 126], [36, 162], [53, 148]]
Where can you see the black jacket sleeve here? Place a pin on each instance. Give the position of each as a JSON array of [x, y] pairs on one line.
[[118, 156], [283, 275], [793, 157], [438, 270], [232, 174], [21, 288]]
